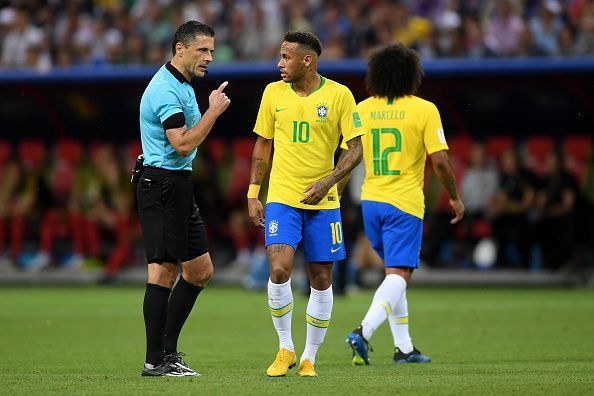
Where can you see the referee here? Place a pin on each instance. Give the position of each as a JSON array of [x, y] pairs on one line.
[[171, 128]]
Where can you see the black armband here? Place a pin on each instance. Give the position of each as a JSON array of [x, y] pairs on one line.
[[177, 120]]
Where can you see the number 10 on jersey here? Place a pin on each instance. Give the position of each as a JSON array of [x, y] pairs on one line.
[[301, 131]]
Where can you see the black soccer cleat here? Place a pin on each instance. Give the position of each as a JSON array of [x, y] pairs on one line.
[[414, 356], [176, 360], [165, 369]]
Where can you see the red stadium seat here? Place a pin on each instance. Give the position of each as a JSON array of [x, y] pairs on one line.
[[577, 150], [5, 151], [243, 148], [68, 156], [69, 150], [133, 150], [497, 145], [460, 146], [32, 153], [537, 148], [240, 169], [216, 148]]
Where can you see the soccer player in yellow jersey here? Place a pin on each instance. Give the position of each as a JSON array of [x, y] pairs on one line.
[[400, 130], [304, 116]]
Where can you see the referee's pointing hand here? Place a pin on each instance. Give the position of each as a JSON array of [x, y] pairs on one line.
[[218, 100]]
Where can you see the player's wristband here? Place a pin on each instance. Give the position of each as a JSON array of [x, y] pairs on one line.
[[253, 191]]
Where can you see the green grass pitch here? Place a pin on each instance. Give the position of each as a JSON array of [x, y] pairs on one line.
[[482, 341]]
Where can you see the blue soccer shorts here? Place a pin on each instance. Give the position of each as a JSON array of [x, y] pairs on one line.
[[319, 230], [395, 235]]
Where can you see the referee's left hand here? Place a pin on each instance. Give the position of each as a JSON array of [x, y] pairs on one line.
[[316, 192]]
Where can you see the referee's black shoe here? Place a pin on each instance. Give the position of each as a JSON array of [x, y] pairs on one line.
[[165, 369], [176, 360]]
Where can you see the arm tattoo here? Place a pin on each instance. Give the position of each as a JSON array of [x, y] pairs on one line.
[[259, 166], [446, 176], [348, 159], [260, 157], [449, 183]]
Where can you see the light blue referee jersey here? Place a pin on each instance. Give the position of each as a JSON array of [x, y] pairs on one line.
[[167, 93]]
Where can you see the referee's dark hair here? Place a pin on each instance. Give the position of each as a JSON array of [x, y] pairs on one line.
[[394, 71], [305, 39], [188, 31]]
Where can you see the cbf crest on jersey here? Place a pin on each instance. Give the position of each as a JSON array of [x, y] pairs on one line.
[[272, 227], [322, 111]]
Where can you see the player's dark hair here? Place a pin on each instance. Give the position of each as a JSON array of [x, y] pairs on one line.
[[188, 31], [305, 39], [394, 71]]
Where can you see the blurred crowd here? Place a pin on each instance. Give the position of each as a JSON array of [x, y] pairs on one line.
[[41, 34], [529, 205]]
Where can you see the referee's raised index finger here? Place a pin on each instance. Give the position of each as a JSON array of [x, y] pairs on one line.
[[222, 86]]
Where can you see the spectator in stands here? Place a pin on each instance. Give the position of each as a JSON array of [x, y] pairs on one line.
[[411, 30], [556, 199], [361, 36], [33, 198], [9, 180], [584, 44], [511, 207], [503, 28], [546, 27], [108, 206], [21, 36], [473, 37], [478, 188]]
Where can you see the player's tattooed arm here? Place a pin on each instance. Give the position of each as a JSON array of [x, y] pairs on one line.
[[443, 169], [342, 183], [260, 158], [346, 162]]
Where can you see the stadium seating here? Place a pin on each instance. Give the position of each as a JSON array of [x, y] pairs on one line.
[[537, 148], [32, 153], [216, 149], [460, 146], [5, 151], [578, 152], [68, 155], [133, 150], [496, 145]]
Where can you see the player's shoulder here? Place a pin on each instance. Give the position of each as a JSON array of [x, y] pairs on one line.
[[277, 86], [370, 101], [420, 102], [336, 86]]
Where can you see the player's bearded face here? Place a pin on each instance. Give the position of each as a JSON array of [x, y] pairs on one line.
[[291, 62], [198, 55]]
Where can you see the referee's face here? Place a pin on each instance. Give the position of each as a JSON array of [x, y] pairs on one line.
[[197, 55]]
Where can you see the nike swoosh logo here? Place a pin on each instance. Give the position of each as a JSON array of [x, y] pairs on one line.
[[335, 250], [276, 109]]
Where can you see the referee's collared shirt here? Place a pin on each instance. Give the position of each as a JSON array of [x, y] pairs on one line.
[[167, 94]]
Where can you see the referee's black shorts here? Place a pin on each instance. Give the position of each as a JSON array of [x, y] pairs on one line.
[[171, 224]]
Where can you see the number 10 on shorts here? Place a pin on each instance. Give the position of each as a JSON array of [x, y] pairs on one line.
[[336, 232]]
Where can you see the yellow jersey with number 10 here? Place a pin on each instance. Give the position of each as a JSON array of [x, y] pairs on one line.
[[398, 136], [306, 133]]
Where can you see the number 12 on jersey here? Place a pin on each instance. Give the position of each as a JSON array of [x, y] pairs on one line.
[[380, 158]]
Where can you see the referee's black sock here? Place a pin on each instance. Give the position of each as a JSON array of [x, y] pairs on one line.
[[155, 316], [181, 302]]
